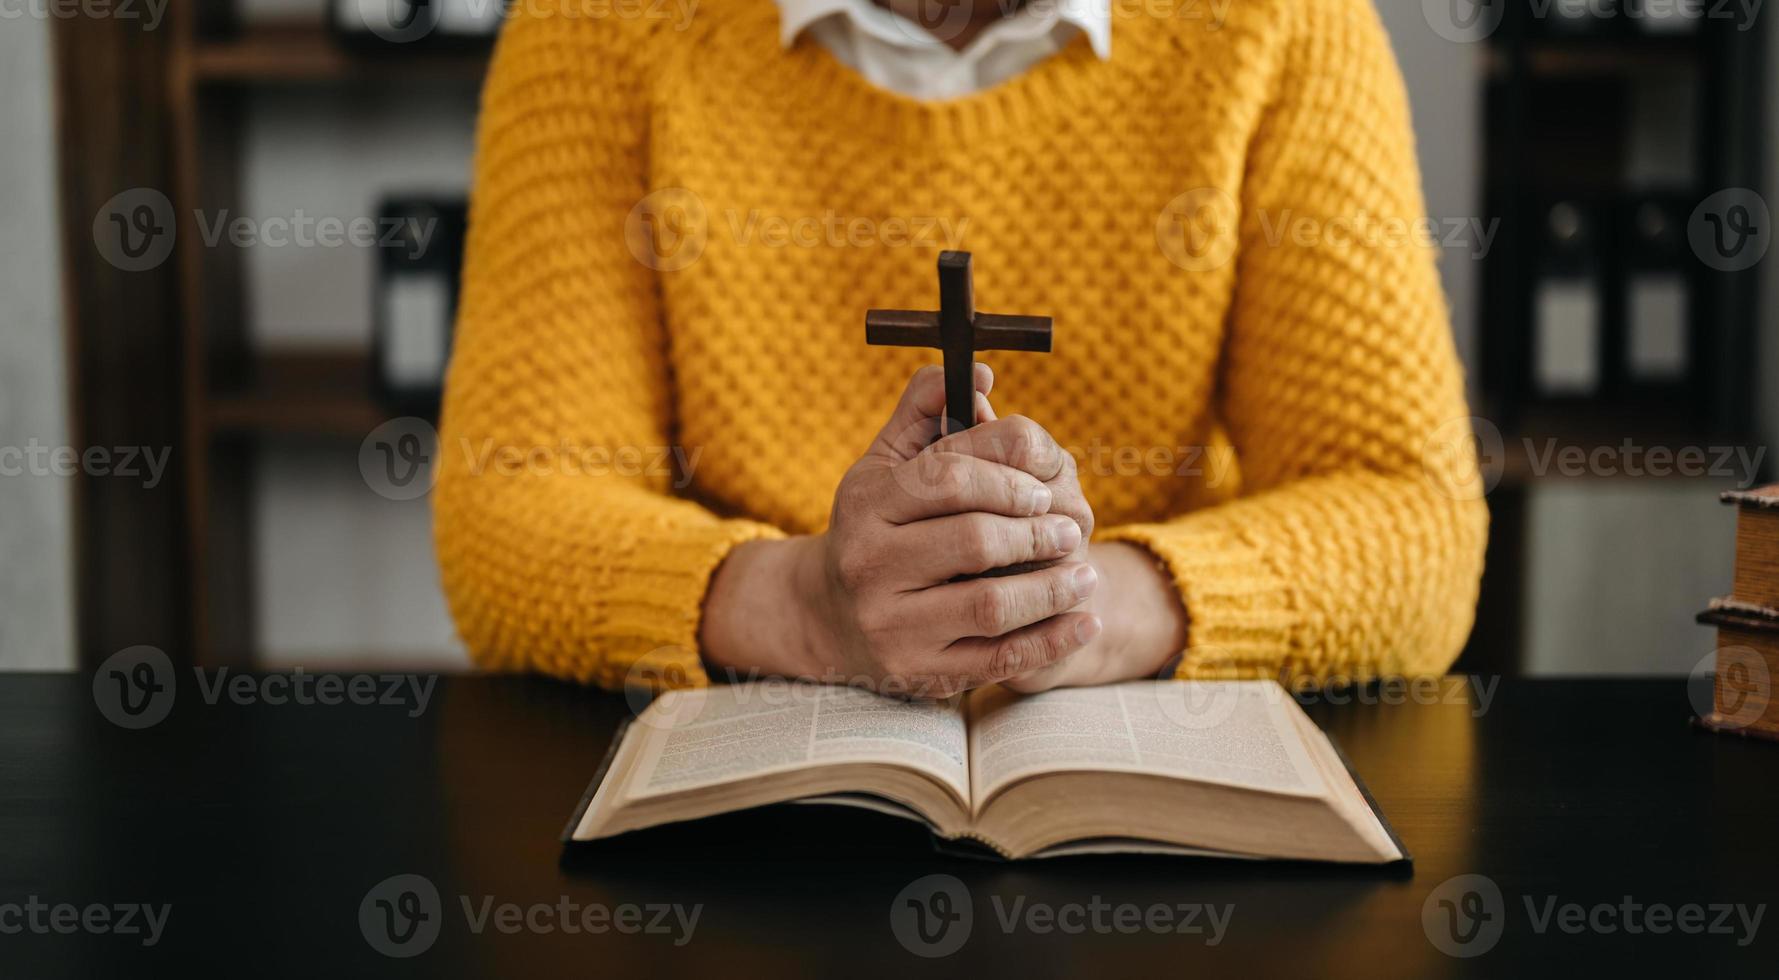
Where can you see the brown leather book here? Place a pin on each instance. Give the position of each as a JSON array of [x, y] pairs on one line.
[[1757, 547], [1747, 668]]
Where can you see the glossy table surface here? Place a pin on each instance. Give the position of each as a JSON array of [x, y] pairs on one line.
[[266, 836]]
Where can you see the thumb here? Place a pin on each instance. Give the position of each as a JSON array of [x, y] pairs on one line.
[[914, 424]]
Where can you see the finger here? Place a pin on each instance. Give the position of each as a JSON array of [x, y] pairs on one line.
[[1063, 673], [984, 411], [939, 484], [1015, 441], [990, 607], [1023, 444], [1041, 647], [914, 423], [926, 553], [1066, 498], [925, 394]]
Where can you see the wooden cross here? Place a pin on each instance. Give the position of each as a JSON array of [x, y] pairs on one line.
[[959, 331]]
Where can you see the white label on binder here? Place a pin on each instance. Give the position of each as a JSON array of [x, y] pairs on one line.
[[418, 308], [1567, 345], [1657, 314]]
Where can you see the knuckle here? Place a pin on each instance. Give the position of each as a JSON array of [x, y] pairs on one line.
[[854, 567], [1029, 445], [980, 540], [1084, 517], [1062, 589], [1018, 489], [1011, 657], [950, 475], [876, 623], [928, 476], [993, 608], [855, 493]]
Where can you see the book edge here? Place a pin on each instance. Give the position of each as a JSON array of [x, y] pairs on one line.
[[1407, 860], [966, 847], [1731, 612], [599, 774], [1764, 498], [1717, 724]]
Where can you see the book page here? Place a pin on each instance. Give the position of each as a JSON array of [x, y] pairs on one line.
[[721, 734], [1231, 732]]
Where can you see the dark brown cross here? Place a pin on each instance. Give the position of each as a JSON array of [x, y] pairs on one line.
[[959, 331]]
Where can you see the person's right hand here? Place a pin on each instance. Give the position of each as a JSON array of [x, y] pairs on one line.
[[912, 529], [889, 596]]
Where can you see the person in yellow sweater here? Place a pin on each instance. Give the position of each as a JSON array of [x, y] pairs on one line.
[[667, 454]]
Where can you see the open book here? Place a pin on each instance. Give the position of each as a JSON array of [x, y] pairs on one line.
[[1218, 767]]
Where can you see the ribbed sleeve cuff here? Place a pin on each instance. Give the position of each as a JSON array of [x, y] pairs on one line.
[[653, 604], [1240, 613]]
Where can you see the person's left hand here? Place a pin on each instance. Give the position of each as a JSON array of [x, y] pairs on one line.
[[1144, 621]]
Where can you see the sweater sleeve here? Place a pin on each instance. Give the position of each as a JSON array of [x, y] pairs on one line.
[[1355, 546], [561, 546]]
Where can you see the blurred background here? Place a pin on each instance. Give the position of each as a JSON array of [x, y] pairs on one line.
[[230, 234]]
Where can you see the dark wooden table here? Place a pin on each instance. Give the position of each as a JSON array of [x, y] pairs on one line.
[[267, 829]]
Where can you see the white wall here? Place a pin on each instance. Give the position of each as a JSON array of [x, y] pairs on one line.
[[1445, 93], [344, 575], [36, 618], [1619, 568]]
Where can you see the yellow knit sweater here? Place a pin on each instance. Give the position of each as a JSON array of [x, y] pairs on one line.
[[675, 235]]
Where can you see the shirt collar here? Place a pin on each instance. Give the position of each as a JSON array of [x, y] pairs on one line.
[[1092, 17]]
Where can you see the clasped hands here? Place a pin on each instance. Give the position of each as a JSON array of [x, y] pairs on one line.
[[893, 596]]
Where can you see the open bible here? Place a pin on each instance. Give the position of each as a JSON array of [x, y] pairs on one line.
[[1198, 767]]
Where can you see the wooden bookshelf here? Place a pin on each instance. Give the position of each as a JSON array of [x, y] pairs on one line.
[[239, 399], [301, 52], [1560, 131], [1586, 58], [320, 392]]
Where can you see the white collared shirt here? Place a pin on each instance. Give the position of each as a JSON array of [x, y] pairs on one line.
[[897, 54]]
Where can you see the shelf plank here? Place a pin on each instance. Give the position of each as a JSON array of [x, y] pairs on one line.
[[323, 392], [1544, 446], [1595, 57], [298, 53]]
